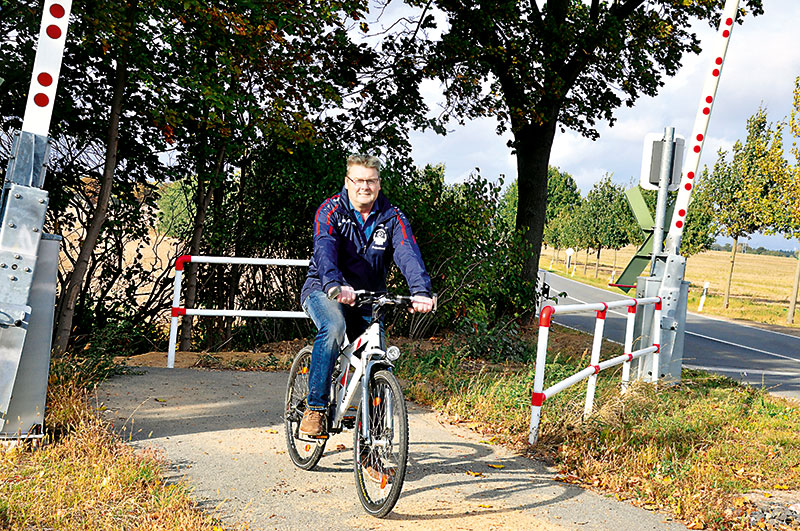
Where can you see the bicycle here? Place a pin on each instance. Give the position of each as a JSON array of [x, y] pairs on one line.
[[363, 376]]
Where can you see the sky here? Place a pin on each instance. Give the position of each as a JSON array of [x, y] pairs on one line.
[[761, 65]]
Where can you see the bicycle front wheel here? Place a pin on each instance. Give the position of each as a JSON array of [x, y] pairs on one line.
[[304, 452], [380, 460]]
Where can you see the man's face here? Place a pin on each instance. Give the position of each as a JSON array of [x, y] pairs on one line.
[[362, 186]]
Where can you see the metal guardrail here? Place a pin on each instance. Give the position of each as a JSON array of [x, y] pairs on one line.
[[179, 311], [595, 365]]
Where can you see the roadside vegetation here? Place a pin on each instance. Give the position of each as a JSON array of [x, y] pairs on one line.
[[693, 450]]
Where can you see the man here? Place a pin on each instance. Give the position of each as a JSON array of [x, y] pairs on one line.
[[356, 235]]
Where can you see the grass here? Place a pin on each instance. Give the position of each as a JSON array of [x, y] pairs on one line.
[[85, 477], [760, 288], [693, 450]]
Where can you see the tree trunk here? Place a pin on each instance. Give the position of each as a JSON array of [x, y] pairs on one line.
[[597, 262], [190, 297], [793, 297], [586, 262], [76, 278], [730, 273], [532, 145]]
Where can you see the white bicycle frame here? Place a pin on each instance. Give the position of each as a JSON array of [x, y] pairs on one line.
[[344, 390]]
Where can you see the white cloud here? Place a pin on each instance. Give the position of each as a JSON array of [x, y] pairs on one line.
[[761, 64]]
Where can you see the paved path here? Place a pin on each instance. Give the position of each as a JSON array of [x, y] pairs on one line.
[[222, 431], [749, 354]]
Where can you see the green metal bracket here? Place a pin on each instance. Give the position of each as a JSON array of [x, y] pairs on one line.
[[641, 259]]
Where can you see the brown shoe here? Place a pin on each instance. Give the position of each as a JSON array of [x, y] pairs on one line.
[[313, 423]]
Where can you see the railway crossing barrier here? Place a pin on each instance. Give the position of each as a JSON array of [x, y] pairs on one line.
[[595, 365], [179, 311]]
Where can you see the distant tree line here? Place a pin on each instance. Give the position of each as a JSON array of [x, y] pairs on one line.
[[744, 248]]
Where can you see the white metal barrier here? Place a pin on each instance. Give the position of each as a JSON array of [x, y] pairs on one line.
[[178, 311], [595, 365]]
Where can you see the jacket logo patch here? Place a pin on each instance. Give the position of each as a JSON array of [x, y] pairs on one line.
[[379, 237]]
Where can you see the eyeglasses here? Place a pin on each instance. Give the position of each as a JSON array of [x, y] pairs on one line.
[[371, 183]]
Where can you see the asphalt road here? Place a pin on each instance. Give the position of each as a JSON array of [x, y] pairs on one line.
[[748, 354], [222, 432]]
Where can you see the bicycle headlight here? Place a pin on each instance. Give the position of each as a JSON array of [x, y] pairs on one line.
[[392, 353]]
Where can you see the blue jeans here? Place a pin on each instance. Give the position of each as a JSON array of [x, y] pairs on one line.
[[332, 320]]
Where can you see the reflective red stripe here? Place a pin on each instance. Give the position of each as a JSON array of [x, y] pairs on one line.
[[181, 261], [658, 304], [596, 368], [546, 316], [630, 357], [537, 399], [177, 311], [658, 347], [601, 314]]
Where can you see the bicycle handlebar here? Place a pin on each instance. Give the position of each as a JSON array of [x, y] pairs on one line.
[[379, 298]]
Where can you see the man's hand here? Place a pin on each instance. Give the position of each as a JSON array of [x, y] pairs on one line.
[[421, 304], [346, 295]]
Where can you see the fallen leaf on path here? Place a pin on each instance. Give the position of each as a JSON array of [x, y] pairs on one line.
[[696, 525], [484, 506], [159, 400], [498, 467], [340, 447], [474, 474], [270, 431]]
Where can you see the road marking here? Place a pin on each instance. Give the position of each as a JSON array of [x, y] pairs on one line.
[[741, 324], [743, 371], [688, 312], [768, 353]]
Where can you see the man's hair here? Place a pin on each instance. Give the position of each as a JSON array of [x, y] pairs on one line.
[[368, 161]]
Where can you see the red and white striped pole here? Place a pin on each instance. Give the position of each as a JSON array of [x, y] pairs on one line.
[[594, 361], [626, 367], [697, 139], [537, 399]]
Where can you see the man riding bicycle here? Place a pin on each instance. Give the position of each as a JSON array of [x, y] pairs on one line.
[[357, 233]]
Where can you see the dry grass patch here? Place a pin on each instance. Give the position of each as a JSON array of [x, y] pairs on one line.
[[84, 477], [693, 450]]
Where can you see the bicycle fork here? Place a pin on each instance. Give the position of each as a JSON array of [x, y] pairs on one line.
[[366, 398]]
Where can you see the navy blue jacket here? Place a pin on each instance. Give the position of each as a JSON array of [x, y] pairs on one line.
[[344, 256]]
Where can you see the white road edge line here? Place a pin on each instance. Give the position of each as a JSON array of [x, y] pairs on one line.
[[710, 338], [688, 312], [743, 371]]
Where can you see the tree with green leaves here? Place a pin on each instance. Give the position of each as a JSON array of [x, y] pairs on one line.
[[559, 64], [787, 200], [604, 219], [740, 189], [562, 193]]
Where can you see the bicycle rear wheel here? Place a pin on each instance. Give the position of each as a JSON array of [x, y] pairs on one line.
[[304, 452], [380, 463]]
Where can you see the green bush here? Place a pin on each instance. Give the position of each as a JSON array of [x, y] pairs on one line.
[[91, 361]]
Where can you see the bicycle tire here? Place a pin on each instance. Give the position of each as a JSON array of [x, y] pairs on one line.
[[380, 469], [304, 453]]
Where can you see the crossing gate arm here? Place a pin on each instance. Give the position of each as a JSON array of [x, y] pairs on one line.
[[178, 311]]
